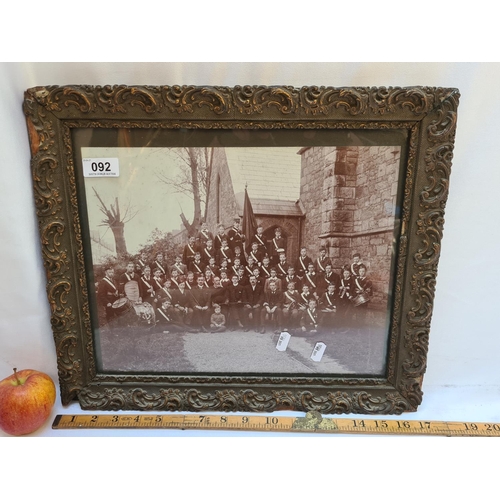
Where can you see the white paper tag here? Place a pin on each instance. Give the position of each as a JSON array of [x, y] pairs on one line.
[[101, 167], [318, 351], [283, 341]]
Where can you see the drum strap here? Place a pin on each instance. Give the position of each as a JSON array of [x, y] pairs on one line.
[[110, 282], [311, 315], [149, 285], [160, 267], [163, 314], [310, 280], [344, 288]]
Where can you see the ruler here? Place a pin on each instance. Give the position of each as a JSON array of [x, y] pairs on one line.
[[312, 422]]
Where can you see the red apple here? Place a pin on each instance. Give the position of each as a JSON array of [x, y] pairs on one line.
[[26, 400]]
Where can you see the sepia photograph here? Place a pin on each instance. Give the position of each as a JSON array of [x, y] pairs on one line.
[[243, 259]]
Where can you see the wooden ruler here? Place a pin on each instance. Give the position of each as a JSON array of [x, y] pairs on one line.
[[312, 422]]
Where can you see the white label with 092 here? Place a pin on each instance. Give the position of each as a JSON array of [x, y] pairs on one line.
[[101, 167]]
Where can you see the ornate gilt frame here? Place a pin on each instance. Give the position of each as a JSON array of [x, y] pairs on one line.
[[429, 114]]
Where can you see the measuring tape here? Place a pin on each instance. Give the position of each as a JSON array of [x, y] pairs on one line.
[[312, 422]]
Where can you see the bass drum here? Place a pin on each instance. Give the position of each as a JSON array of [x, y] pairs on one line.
[[121, 306], [145, 314]]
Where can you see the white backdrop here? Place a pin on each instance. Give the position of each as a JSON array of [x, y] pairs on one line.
[[463, 377]]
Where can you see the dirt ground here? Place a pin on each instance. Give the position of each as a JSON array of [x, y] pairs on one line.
[[360, 351]]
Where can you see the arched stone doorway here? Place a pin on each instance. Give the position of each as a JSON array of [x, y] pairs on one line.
[[290, 231]]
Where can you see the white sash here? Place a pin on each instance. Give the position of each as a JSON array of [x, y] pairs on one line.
[[319, 264], [290, 297], [344, 288], [150, 287], [259, 238], [163, 314], [167, 292], [178, 268], [209, 255], [310, 281], [160, 267], [302, 264], [110, 282], [282, 270], [312, 317], [358, 285], [266, 271]]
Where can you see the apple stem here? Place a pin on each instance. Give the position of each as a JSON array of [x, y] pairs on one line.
[[17, 378]]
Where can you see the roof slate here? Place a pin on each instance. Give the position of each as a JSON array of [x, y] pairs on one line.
[[270, 173]]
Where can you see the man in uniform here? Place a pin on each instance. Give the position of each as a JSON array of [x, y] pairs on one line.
[[235, 236], [302, 264], [204, 236], [282, 267], [291, 300], [311, 318], [253, 298], [146, 286], [225, 253], [258, 238], [201, 304], [265, 269], [328, 304], [196, 265], [256, 254], [321, 262], [128, 275], [362, 287], [207, 252], [273, 279], [161, 265], [181, 300], [234, 296], [179, 266], [271, 314], [190, 250], [107, 293], [278, 246]]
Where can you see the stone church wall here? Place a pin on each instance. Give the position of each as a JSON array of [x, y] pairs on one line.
[[349, 196]]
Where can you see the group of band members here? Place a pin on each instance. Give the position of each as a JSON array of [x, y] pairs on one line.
[[216, 285]]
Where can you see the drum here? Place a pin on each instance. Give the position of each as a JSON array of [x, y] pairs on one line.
[[360, 299], [121, 306], [145, 313]]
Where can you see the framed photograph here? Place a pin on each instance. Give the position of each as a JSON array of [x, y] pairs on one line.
[[241, 249]]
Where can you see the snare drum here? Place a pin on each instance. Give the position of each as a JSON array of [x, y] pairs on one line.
[[360, 299]]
